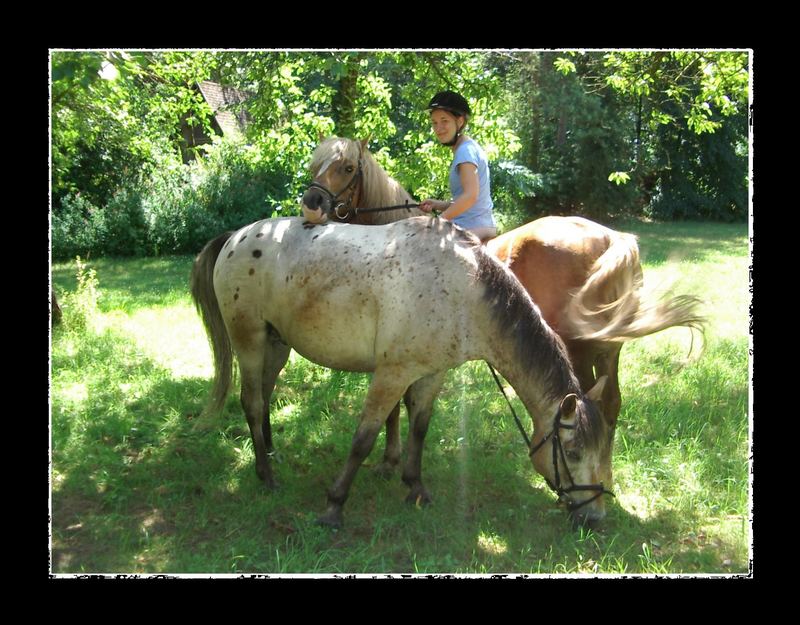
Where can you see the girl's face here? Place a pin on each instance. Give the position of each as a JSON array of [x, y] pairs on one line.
[[445, 124]]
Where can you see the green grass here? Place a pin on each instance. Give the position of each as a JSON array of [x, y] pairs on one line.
[[135, 489]]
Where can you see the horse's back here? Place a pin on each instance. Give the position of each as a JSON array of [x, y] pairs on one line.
[[343, 295], [552, 256]]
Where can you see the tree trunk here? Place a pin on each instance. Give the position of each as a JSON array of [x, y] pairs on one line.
[[55, 309], [344, 101]]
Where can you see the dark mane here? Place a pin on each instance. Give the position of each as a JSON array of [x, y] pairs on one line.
[[538, 347]]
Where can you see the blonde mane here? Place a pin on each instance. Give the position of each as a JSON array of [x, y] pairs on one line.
[[377, 187]]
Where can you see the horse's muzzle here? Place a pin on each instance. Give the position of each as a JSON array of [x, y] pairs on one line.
[[587, 518], [315, 199]]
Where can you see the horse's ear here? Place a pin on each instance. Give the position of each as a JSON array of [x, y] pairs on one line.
[[596, 392], [321, 136], [365, 142], [568, 406]]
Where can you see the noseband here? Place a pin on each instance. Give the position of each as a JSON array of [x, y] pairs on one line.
[[334, 199], [558, 450]]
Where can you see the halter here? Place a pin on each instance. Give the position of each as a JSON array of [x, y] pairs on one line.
[[558, 450], [335, 198]]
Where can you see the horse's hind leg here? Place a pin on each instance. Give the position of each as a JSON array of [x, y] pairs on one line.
[[251, 350], [276, 355], [385, 390], [607, 363], [391, 455], [582, 357], [419, 402]]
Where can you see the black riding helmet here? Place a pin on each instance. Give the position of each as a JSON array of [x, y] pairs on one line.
[[451, 102]]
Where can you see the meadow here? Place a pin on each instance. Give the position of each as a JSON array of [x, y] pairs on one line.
[[135, 488]]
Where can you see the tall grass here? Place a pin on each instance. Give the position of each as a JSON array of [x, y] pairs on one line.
[[135, 489]]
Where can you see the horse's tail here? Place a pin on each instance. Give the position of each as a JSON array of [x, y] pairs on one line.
[[205, 299], [611, 305]]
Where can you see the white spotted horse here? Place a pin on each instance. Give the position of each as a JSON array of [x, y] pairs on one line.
[[270, 287]]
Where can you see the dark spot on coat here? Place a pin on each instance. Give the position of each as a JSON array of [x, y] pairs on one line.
[[243, 238], [314, 238], [230, 254], [235, 296], [252, 271], [259, 235], [257, 253]]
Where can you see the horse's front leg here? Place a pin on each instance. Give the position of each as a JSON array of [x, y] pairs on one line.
[[419, 401], [385, 390]]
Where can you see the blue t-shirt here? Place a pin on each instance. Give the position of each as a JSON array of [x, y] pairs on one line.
[[479, 215]]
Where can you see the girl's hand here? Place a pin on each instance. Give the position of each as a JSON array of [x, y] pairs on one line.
[[426, 206], [429, 205]]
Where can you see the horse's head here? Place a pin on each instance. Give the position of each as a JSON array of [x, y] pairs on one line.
[[336, 166], [574, 456]]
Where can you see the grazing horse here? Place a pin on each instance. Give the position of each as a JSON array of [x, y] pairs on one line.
[[421, 296], [587, 281]]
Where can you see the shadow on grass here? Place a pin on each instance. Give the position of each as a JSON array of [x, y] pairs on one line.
[[136, 489]]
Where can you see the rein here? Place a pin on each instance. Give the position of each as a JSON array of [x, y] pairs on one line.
[[376, 209], [558, 450]]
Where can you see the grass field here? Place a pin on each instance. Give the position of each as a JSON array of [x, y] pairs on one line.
[[135, 489]]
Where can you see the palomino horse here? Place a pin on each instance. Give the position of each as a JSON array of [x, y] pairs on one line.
[[586, 280], [269, 287], [346, 177]]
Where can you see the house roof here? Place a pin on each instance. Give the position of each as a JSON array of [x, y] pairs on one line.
[[223, 100]]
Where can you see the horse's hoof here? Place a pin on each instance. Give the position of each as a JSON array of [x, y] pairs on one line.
[[332, 519], [384, 470], [265, 476], [419, 497], [204, 424]]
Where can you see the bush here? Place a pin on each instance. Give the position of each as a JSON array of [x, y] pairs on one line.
[[80, 308], [513, 185], [75, 228], [178, 209], [227, 188]]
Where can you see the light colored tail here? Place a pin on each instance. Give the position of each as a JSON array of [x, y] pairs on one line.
[[205, 299], [612, 306]]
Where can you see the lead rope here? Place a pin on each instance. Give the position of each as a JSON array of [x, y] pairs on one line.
[[513, 412]]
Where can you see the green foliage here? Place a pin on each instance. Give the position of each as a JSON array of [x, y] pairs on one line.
[[662, 134], [646, 123], [223, 190], [512, 185], [178, 208]]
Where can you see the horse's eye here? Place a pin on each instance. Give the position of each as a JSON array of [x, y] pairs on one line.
[[349, 169]]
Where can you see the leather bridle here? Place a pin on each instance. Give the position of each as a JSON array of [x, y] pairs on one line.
[[558, 451]]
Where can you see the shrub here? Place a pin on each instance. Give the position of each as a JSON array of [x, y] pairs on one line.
[[79, 309]]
